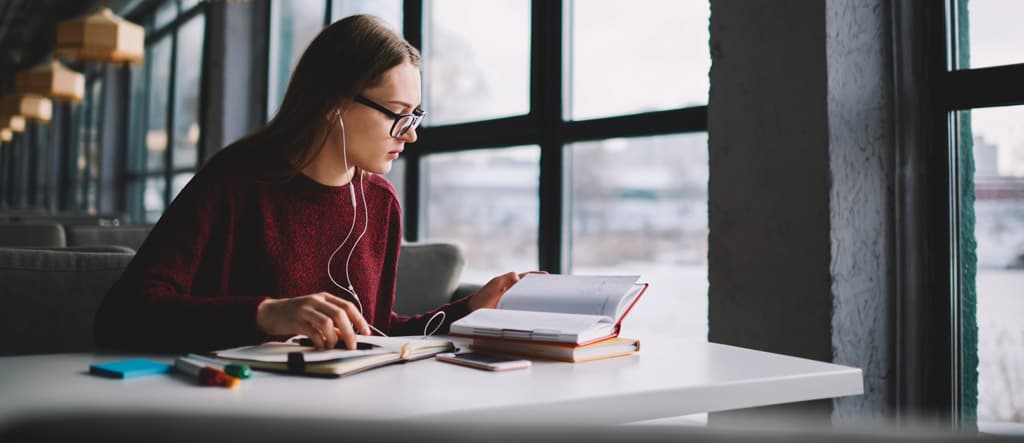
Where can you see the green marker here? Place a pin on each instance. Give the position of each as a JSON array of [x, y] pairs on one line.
[[233, 369]]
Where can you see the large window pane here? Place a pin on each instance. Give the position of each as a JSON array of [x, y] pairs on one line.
[[998, 139], [477, 58], [293, 24], [636, 56], [153, 199], [653, 223], [178, 183], [159, 56], [994, 32], [165, 14], [388, 10], [136, 156], [186, 92], [485, 201], [91, 173], [397, 178]]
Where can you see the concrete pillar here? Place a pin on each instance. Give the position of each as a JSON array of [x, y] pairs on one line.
[[800, 139]]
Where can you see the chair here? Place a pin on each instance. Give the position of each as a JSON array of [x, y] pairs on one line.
[[49, 296], [32, 234], [428, 276]]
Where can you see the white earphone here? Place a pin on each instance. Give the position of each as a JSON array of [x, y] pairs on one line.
[[351, 290]]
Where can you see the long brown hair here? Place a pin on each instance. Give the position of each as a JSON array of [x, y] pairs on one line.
[[345, 58]]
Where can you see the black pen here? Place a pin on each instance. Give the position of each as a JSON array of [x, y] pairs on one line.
[[340, 345]]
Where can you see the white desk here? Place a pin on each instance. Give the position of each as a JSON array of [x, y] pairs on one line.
[[667, 378]]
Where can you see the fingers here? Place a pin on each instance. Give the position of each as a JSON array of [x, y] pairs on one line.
[[355, 318], [323, 325]]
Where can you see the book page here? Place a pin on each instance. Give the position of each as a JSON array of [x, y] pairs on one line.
[[576, 294], [277, 352]]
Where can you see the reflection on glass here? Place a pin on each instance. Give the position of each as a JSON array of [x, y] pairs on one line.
[[998, 144], [159, 55], [153, 199], [186, 93], [995, 35], [638, 56], [478, 67], [293, 24], [486, 202], [639, 206], [388, 10]]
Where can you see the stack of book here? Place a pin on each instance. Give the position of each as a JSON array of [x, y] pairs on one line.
[[570, 318]]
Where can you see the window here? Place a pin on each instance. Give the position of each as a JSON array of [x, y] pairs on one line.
[[994, 34], [630, 57], [477, 68], [653, 223], [294, 24], [487, 201], [166, 125], [986, 109], [997, 140], [610, 137]]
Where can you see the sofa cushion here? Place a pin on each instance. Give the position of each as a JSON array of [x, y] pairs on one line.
[[130, 236], [49, 297], [32, 234], [428, 274]]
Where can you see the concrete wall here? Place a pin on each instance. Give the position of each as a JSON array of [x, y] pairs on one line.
[[799, 193]]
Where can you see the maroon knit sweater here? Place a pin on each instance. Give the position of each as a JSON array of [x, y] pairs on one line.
[[231, 240]]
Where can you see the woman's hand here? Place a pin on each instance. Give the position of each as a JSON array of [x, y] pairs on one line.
[[489, 295], [323, 317]]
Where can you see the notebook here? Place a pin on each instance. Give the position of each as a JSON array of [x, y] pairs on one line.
[[292, 357], [608, 348], [136, 367], [575, 309]]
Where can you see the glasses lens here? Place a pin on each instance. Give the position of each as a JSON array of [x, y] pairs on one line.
[[404, 124]]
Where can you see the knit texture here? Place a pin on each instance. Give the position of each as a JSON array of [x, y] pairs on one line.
[[230, 240]]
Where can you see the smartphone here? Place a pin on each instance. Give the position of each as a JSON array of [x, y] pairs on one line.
[[489, 362]]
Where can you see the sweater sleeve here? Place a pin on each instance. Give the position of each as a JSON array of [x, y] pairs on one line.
[[414, 324], [151, 307]]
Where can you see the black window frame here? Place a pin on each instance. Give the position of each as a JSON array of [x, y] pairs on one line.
[[929, 90], [544, 125], [145, 15]]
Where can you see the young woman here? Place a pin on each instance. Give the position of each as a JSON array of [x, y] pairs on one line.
[[291, 230]]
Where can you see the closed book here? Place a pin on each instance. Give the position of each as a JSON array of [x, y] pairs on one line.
[[296, 358], [612, 347], [554, 308]]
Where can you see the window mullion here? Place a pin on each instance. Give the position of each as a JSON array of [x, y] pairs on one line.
[[546, 110]]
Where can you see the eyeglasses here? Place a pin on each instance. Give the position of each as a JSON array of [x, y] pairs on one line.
[[403, 122]]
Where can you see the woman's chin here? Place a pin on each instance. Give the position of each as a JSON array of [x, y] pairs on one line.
[[380, 168]]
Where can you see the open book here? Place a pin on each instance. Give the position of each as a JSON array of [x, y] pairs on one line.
[[577, 309], [292, 357]]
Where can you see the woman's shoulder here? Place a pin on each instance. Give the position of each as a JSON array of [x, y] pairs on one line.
[[383, 185]]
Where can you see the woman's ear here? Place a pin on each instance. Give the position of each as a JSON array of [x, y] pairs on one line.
[[333, 114]]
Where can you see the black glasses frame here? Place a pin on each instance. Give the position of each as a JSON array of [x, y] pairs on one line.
[[416, 115]]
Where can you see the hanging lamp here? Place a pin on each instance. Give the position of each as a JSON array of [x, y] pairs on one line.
[[101, 36], [51, 79], [31, 106], [13, 123]]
